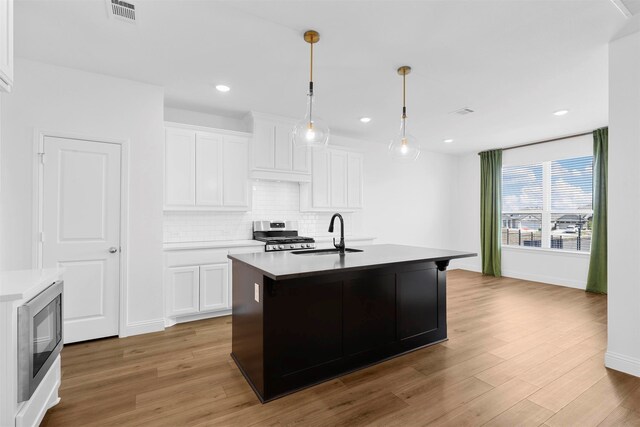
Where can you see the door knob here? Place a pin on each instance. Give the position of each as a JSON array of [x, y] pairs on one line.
[[113, 250]]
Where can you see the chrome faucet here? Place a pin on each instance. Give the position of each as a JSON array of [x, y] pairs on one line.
[[340, 245]]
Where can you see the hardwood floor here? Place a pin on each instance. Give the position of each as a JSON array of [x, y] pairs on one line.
[[519, 354]]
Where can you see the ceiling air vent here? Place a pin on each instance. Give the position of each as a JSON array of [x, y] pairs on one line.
[[463, 111], [122, 10]]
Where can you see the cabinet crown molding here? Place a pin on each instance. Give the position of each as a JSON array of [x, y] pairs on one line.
[[196, 128]]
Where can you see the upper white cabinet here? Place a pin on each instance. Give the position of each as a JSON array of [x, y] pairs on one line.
[[336, 181], [205, 169], [180, 167], [6, 45], [273, 153]]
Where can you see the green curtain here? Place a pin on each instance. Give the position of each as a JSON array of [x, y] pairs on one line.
[[490, 212], [597, 278]]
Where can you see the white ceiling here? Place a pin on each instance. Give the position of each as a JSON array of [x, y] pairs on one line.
[[513, 61]]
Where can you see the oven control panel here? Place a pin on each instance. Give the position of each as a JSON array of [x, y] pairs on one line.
[[289, 246]]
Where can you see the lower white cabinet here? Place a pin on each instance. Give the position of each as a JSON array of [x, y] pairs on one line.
[[183, 290], [197, 281], [214, 287], [196, 289]]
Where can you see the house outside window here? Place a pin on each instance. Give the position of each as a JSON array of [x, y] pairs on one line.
[[548, 204]]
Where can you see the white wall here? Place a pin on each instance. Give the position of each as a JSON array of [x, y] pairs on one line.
[[406, 203], [623, 351], [540, 265], [59, 99]]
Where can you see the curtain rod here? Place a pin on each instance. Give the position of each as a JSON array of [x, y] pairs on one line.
[[542, 142]]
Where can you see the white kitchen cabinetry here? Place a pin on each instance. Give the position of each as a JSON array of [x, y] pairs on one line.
[[183, 290], [198, 280], [209, 171], [6, 45], [273, 153], [214, 287], [180, 168], [336, 181], [354, 181], [206, 169], [235, 180]]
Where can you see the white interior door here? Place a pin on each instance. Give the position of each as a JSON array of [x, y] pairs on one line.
[[81, 232]]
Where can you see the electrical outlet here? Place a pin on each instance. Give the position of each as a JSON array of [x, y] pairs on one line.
[[256, 292]]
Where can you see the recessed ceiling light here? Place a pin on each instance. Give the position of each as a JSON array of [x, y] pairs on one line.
[[560, 112], [365, 119], [448, 141], [223, 88]]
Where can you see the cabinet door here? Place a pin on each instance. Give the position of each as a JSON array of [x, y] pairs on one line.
[[305, 324], [338, 179], [209, 167], [354, 180], [6, 45], [320, 178], [236, 172], [214, 287], [369, 310], [263, 145], [183, 294], [283, 147], [301, 159], [417, 299], [180, 170]]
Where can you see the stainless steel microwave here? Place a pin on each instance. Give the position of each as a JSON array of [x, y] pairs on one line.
[[39, 338]]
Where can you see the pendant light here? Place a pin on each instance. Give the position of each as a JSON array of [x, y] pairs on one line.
[[311, 131], [404, 146]]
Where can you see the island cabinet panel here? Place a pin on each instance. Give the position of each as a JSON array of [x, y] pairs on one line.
[[369, 304], [417, 302], [305, 323], [247, 339]]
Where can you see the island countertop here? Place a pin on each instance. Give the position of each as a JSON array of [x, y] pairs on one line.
[[287, 265]]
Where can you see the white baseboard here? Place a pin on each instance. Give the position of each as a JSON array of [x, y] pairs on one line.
[[468, 267], [550, 280], [143, 327], [620, 362], [171, 321]]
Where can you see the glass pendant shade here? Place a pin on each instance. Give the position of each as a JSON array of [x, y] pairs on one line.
[[404, 146], [311, 131]]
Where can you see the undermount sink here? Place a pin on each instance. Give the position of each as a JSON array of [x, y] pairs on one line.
[[325, 251]]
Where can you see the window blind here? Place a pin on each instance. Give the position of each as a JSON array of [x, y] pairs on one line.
[[572, 184], [522, 188]]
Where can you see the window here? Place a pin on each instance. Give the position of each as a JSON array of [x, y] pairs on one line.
[[548, 204]]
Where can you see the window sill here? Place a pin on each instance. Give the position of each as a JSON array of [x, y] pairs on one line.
[[578, 254]]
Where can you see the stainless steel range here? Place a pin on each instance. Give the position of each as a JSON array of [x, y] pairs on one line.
[[281, 236]]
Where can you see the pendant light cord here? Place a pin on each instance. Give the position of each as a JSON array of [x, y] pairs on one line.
[[404, 96], [311, 71]]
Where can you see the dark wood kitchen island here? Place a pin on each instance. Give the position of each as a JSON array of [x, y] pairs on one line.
[[299, 319]]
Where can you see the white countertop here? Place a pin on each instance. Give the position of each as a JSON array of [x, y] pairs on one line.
[[323, 239], [210, 244], [219, 244], [25, 284]]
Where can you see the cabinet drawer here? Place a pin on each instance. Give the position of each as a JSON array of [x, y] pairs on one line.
[[195, 257]]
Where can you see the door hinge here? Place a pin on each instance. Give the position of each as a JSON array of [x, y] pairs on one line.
[[41, 155], [42, 236]]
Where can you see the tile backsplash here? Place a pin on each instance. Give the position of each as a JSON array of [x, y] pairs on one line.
[[271, 201]]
